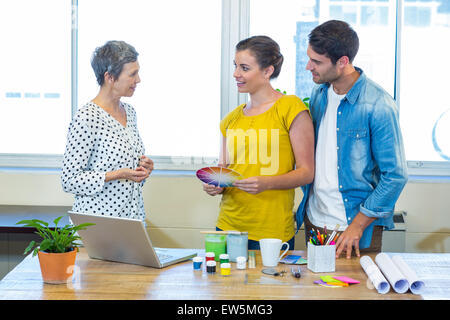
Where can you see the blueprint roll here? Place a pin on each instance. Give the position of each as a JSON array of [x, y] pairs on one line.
[[392, 273], [415, 284], [374, 274]]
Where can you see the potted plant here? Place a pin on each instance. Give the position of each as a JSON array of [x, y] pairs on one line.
[[57, 250], [305, 100]]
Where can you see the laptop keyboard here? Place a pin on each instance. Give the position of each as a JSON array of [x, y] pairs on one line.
[[163, 257]]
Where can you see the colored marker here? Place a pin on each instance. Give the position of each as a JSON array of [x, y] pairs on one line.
[[337, 236], [319, 236], [333, 234]]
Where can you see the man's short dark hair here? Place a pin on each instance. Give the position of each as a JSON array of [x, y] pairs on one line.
[[335, 39]]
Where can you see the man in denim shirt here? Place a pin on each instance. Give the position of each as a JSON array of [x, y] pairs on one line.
[[360, 161]]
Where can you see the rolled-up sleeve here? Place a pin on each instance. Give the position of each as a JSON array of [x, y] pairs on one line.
[[76, 178], [388, 153]]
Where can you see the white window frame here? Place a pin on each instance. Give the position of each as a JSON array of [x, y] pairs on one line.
[[416, 168], [235, 26]]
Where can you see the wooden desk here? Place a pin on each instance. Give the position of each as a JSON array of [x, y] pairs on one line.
[[109, 280]]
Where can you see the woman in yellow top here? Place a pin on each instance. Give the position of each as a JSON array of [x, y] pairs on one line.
[[270, 142]]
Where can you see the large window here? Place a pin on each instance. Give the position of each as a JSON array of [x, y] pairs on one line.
[[179, 45], [186, 51], [290, 21], [405, 51], [35, 76], [425, 66]]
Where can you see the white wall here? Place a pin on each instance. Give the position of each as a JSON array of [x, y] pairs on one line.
[[177, 208]]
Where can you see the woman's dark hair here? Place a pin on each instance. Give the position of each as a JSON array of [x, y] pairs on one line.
[[266, 52], [110, 58], [335, 39]]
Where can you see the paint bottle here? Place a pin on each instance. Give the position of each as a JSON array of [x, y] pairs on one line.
[[216, 243], [210, 256], [237, 245], [211, 266], [225, 269], [241, 263], [224, 258], [197, 263]]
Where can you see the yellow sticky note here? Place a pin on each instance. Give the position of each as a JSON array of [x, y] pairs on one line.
[[329, 279], [334, 282]]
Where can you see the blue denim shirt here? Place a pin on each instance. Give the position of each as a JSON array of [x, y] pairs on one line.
[[371, 161]]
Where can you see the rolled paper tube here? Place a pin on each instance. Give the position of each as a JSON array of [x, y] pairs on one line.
[[392, 273], [415, 284], [374, 274]]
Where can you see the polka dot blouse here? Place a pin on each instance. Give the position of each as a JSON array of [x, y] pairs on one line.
[[97, 143]]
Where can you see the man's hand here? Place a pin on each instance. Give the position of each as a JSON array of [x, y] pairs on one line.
[[349, 239], [351, 236]]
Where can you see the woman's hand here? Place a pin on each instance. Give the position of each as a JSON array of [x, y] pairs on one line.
[[146, 163], [253, 185], [137, 175], [212, 190], [141, 173]]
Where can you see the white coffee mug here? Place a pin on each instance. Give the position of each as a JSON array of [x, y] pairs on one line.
[[270, 249]]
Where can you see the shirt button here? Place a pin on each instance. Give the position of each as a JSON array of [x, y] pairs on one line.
[[338, 168], [339, 113], [340, 187], [349, 219], [337, 148], [337, 129], [345, 200]]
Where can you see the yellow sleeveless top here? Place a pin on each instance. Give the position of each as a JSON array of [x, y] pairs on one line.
[[260, 146]]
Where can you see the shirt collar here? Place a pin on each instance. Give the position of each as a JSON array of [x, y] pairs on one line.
[[353, 93]]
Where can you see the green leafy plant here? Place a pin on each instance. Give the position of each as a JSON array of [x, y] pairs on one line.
[[306, 101], [58, 240]]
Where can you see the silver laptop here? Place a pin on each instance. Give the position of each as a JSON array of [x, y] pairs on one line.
[[124, 240]]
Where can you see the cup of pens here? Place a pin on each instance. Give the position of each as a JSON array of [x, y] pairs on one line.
[[321, 252]]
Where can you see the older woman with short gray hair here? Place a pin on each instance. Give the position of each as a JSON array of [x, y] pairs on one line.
[[104, 163]]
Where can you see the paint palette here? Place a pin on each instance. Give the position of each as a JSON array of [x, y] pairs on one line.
[[218, 176]]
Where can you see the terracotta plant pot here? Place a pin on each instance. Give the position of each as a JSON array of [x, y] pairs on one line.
[[55, 267]]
